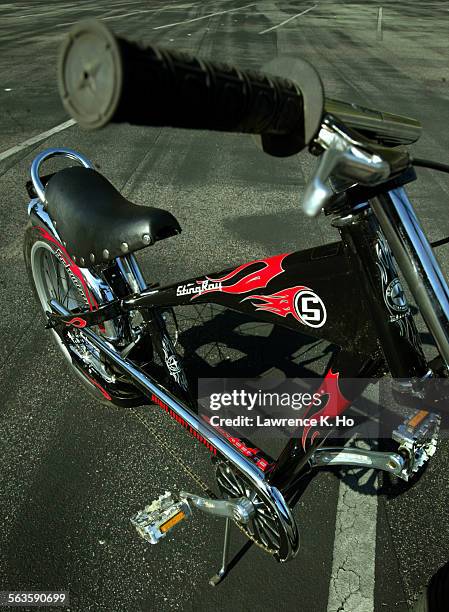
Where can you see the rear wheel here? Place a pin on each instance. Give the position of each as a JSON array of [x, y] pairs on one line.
[[51, 279]]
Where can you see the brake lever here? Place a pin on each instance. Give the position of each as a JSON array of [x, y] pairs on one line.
[[345, 157]]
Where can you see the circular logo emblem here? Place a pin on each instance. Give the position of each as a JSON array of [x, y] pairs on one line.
[[395, 296], [172, 364], [310, 308]]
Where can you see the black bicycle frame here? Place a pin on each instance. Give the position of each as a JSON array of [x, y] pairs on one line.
[[347, 293]]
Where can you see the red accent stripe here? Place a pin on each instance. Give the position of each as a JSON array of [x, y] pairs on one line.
[[94, 382], [336, 403], [182, 422]]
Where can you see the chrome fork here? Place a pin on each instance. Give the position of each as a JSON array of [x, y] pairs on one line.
[[417, 262]]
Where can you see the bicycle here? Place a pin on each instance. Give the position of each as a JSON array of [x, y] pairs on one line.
[[112, 326]]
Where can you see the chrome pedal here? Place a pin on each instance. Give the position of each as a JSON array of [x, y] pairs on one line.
[[417, 438], [161, 516]]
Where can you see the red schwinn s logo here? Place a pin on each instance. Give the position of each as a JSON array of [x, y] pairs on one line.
[[301, 302]]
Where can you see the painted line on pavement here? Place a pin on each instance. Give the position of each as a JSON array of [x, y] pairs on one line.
[[169, 25], [351, 587], [287, 20], [129, 14], [35, 139], [139, 12]]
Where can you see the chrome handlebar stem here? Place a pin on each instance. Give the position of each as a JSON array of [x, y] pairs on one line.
[[344, 157]]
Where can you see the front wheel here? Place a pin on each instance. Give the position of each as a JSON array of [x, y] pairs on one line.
[[54, 275]]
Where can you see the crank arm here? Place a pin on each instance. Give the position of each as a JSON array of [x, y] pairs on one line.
[[358, 457], [240, 509]]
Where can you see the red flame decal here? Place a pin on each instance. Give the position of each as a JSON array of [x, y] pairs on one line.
[[77, 322], [258, 279], [335, 405], [281, 303]]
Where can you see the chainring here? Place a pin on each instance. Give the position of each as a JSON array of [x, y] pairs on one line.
[[264, 528]]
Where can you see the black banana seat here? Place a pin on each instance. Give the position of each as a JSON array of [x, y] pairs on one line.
[[96, 222]]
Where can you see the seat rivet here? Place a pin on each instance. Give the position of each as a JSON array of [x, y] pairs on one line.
[[82, 261], [92, 258], [124, 247], [106, 254], [74, 257], [64, 243], [146, 239]]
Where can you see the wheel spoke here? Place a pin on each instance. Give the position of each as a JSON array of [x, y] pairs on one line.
[[257, 533], [271, 537], [266, 526], [53, 258]]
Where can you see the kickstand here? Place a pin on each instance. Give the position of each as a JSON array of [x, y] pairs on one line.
[[226, 566]]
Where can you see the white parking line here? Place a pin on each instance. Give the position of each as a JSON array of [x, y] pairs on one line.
[[287, 20], [35, 139], [351, 587], [56, 12], [169, 25]]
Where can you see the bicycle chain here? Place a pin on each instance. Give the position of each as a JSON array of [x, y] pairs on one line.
[[205, 488], [178, 460]]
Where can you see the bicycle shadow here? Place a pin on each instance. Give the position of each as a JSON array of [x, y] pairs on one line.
[[218, 342]]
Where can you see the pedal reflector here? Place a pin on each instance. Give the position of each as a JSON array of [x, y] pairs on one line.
[[173, 521], [416, 419]]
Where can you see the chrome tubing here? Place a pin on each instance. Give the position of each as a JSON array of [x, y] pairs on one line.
[[417, 262], [131, 273], [47, 154], [241, 508], [254, 475], [136, 271], [358, 457]]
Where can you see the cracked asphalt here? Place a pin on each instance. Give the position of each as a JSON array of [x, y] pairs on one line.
[[73, 472]]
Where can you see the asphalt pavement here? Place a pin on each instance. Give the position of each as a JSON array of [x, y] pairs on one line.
[[72, 471]]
